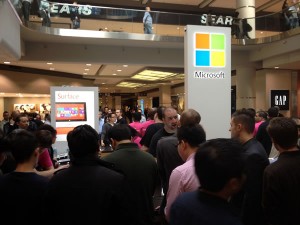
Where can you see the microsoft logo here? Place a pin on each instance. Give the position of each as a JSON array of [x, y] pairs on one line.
[[210, 50]]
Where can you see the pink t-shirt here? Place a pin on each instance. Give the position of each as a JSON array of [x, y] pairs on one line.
[[137, 126], [44, 159], [256, 127]]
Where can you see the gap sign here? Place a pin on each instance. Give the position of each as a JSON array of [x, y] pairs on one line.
[[280, 98]]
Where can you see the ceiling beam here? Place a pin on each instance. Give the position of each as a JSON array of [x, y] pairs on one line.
[[267, 5], [205, 3]]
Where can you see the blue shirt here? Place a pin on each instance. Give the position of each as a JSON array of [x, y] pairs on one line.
[[147, 18], [101, 122]]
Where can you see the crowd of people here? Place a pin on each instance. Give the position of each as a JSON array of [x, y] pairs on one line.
[[218, 181]]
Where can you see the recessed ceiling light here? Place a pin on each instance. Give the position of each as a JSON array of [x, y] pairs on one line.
[[119, 70], [177, 28], [84, 73], [52, 68], [86, 69], [114, 74], [88, 64], [105, 28], [2, 93], [6, 62], [102, 83], [49, 63], [276, 67], [261, 32], [125, 65]]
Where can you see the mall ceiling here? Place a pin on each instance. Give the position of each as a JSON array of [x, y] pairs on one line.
[[124, 72]]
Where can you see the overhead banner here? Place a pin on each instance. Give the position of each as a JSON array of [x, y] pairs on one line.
[[208, 77]]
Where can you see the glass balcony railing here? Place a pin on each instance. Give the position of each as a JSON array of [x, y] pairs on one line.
[[164, 23]]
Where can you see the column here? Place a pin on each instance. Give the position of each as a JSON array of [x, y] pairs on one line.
[[118, 104], [165, 95], [245, 87], [246, 9]]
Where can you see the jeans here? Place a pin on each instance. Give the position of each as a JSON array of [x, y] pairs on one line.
[[26, 10], [147, 28]]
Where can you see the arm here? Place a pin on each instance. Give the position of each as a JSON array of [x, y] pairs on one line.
[[175, 189]]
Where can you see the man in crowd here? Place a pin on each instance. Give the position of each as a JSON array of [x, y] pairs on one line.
[[120, 118], [170, 119], [183, 178], [219, 166], [167, 155], [140, 169], [22, 190], [89, 191], [248, 200], [5, 119], [281, 197]]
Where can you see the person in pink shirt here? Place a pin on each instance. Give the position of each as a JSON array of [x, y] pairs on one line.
[[183, 178], [45, 141], [136, 124], [260, 117]]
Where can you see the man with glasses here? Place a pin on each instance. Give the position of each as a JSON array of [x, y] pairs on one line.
[[183, 178]]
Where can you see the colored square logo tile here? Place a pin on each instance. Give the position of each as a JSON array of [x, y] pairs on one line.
[[218, 41], [202, 58], [218, 58], [202, 41], [210, 50]]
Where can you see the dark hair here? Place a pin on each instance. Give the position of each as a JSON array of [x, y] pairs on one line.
[[283, 131], [190, 117], [18, 118], [168, 109], [245, 117], [217, 161], [119, 132], [21, 143], [49, 128], [160, 112], [193, 134], [137, 116], [4, 112], [83, 140], [151, 113], [262, 114], [44, 138], [273, 112]]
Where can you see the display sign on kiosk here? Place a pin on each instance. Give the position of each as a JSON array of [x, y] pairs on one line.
[[70, 111]]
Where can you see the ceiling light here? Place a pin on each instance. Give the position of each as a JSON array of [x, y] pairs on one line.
[[6, 62], [49, 63], [88, 64], [114, 74], [84, 73], [177, 28], [130, 84], [86, 69], [52, 68], [125, 65], [276, 67], [119, 70], [2, 93], [102, 83], [105, 28], [153, 75]]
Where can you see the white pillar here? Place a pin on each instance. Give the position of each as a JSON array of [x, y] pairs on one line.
[[245, 87], [246, 9]]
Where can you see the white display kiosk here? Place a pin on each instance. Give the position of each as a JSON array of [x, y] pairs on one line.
[[70, 107]]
